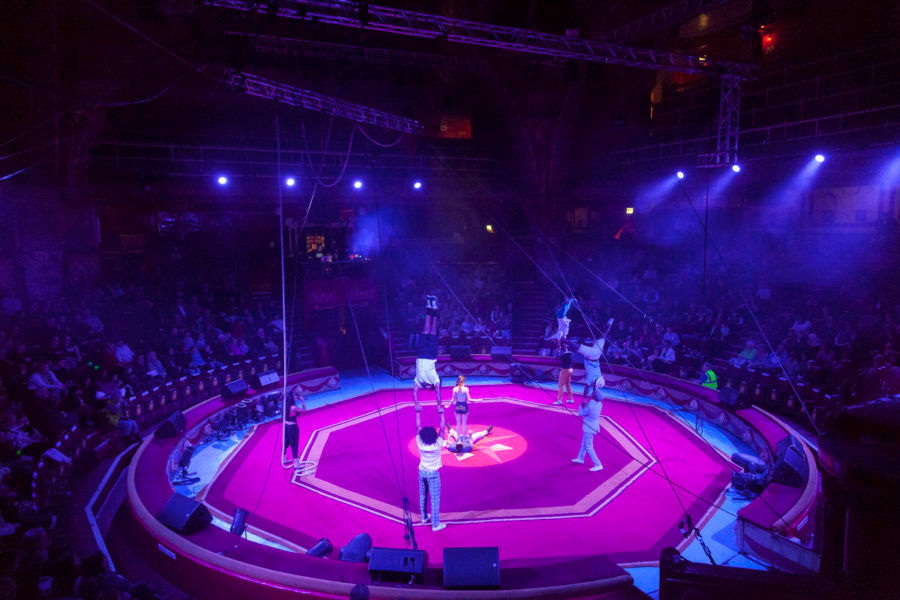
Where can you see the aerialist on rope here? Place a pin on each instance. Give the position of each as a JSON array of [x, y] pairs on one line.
[[426, 373], [592, 350]]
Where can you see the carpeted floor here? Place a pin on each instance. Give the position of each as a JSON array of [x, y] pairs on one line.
[[518, 490]]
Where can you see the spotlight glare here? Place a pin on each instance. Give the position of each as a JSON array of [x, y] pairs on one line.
[[417, 185], [820, 158], [489, 228], [736, 168], [680, 174], [629, 210], [357, 184], [290, 182], [222, 180]]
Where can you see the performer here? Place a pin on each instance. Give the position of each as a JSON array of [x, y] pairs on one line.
[[565, 376], [426, 373], [590, 426], [461, 398], [465, 445], [562, 320], [592, 350], [290, 417], [430, 446]]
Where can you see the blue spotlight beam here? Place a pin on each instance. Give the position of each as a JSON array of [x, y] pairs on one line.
[[294, 96]]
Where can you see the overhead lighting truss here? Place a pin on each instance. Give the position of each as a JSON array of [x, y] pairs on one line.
[[288, 94], [347, 13]]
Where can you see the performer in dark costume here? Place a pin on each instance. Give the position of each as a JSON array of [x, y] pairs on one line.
[[426, 373], [291, 423]]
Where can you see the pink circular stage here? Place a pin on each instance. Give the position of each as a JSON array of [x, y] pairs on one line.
[[517, 490]]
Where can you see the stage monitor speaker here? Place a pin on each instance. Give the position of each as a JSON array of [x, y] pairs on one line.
[[397, 565], [235, 388], [184, 515], [267, 378], [472, 567], [503, 353], [791, 467], [172, 426], [461, 352], [357, 549]]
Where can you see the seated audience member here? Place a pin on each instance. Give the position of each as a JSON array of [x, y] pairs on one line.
[[44, 383], [664, 358], [746, 357]]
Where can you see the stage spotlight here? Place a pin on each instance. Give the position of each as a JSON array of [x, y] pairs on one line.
[[820, 158], [222, 180], [736, 168], [357, 184], [290, 182], [680, 174], [323, 547], [629, 210], [239, 522], [489, 228], [417, 185]]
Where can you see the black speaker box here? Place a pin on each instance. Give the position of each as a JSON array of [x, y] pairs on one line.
[[235, 388], [728, 396], [267, 378], [460, 352], [172, 426], [184, 515], [501, 353], [397, 565], [791, 467], [472, 567]]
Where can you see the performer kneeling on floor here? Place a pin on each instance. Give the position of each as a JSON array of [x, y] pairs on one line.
[[430, 445], [590, 426], [426, 373]]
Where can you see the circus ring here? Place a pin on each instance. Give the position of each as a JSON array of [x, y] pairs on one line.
[[562, 530]]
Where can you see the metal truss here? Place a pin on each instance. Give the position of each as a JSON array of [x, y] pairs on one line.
[[672, 15], [728, 128], [348, 13], [271, 44], [287, 94]]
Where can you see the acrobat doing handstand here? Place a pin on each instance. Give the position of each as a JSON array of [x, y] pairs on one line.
[[427, 377]]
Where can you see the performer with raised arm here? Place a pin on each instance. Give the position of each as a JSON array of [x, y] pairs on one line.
[[592, 351], [430, 446], [563, 320], [426, 373], [461, 398]]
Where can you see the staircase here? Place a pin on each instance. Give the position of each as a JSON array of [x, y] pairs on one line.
[[528, 318]]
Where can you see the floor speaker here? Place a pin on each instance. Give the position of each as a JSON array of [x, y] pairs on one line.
[[235, 388], [501, 353], [184, 515], [172, 426], [472, 567], [791, 467], [462, 352], [397, 565]]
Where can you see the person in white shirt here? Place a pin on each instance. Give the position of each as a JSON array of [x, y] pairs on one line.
[[430, 445], [671, 336], [663, 358], [44, 383], [590, 426]]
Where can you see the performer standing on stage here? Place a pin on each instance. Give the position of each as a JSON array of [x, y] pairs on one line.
[[565, 376], [290, 417], [461, 399], [430, 445], [590, 426], [426, 373], [592, 350]]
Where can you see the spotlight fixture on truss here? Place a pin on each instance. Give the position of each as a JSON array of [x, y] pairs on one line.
[[288, 94]]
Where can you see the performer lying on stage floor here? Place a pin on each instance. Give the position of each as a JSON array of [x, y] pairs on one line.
[[426, 373], [465, 443]]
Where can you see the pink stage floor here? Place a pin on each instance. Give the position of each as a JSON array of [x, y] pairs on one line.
[[518, 490]]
